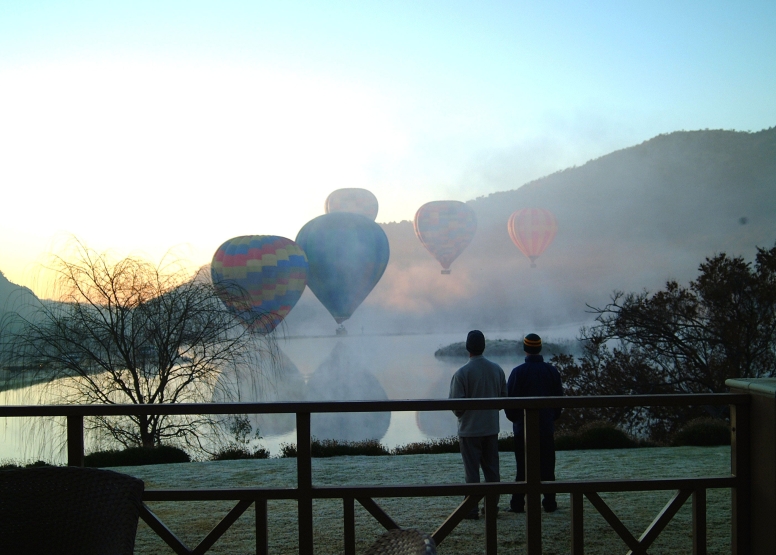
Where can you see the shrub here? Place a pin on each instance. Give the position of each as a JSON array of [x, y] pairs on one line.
[[703, 432], [321, 448], [239, 452], [595, 435], [429, 447], [8, 464], [137, 456], [288, 450], [506, 443]]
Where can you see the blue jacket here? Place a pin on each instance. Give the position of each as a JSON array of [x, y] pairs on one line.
[[534, 378]]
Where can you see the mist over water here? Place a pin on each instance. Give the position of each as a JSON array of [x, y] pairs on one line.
[[331, 368], [363, 367], [283, 382]]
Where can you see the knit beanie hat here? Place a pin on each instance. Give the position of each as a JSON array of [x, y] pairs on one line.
[[532, 344], [475, 342]]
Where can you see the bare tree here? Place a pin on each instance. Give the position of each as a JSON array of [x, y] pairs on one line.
[[129, 331]]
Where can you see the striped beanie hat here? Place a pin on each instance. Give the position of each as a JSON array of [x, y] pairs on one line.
[[532, 344]]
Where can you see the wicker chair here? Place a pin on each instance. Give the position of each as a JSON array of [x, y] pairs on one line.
[[68, 510], [403, 542]]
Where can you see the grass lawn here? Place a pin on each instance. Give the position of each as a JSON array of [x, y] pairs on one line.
[[192, 520]]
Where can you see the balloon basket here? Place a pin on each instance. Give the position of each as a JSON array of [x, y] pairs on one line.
[[533, 265], [341, 330], [445, 272]]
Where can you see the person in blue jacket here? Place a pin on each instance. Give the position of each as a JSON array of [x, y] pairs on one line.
[[534, 378]]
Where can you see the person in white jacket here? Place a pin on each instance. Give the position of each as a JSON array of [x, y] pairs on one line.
[[478, 429]]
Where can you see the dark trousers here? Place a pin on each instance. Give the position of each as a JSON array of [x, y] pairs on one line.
[[546, 469], [481, 451]]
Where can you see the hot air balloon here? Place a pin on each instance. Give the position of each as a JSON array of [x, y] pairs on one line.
[[356, 201], [532, 230], [445, 227], [347, 254], [260, 278]]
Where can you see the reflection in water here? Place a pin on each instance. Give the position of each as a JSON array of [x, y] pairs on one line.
[[341, 378], [444, 423], [438, 423], [283, 383]]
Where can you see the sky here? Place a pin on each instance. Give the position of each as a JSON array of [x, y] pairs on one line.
[[142, 127]]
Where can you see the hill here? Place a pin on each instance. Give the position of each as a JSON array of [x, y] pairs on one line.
[[629, 220]]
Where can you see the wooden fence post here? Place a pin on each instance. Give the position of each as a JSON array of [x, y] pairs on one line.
[[533, 505], [753, 452], [75, 440], [304, 482]]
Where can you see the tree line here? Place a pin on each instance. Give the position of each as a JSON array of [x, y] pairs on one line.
[[681, 339]]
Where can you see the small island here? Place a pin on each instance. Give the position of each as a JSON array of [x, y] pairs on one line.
[[507, 348]]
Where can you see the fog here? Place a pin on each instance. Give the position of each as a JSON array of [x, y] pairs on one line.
[[630, 220]]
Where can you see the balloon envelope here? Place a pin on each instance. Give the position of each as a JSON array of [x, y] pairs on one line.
[[347, 254], [445, 227], [260, 277], [532, 230], [353, 200]]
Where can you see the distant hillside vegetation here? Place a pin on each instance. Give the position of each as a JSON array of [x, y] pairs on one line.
[[14, 298], [507, 348]]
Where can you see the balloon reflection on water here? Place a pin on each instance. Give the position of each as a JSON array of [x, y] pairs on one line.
[[281, 382], [341, 378]]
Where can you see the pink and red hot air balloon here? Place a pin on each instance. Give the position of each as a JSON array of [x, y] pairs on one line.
[[532, 230], [353, 200], [445, 227]]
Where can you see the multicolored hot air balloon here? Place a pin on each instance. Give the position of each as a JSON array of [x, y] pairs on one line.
[[356, 201], [532, 230], [445, 227], [347, 254], [260, 278]]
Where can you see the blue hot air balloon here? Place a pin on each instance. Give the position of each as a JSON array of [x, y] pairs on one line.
[[347, 255]]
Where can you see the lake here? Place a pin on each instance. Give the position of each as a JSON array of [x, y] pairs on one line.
[[349, 367]]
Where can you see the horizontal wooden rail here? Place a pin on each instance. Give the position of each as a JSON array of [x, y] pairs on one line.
[[381, 406], [439, 490]]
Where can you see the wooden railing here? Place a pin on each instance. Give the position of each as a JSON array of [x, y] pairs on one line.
[[738, 480]]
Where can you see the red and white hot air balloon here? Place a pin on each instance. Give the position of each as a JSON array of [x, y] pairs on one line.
[[532, 230]]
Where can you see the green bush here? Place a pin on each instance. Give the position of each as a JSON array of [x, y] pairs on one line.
[[703, 432], [595, 435], [137, 456], [429, 447], [239, 452], [321, 448]]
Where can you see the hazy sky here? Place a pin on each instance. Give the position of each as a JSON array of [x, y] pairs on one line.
[[140, 126]]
